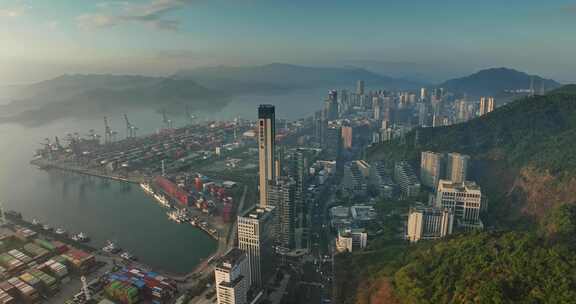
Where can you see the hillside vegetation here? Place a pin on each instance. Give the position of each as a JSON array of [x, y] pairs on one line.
[[526, 148], [525, 156], [510, 267]]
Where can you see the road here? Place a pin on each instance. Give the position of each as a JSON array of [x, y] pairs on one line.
[[319, 283]]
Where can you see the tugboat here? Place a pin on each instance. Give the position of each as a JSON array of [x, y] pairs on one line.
[[127, 256], [110, 247], [81, 237]]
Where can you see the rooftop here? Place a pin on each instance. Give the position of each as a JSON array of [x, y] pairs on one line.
[[461, 187], [257, 212], [231, 258]]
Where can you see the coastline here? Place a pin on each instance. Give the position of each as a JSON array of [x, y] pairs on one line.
[[222, 237]]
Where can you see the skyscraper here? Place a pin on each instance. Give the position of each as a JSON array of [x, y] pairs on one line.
[[347, 137], [423, 94], [282, 196], [431, 168], [331, 105], [360, 87], [333, 141], [256, 237], [486, 105], [266, 150], [457, 167], [232, 275]]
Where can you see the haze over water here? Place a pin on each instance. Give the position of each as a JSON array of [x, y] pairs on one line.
[[109, 210]]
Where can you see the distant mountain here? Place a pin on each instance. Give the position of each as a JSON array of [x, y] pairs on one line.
[[68, 86], [419, 72], [496, 80], [85, 95], [279, 77]]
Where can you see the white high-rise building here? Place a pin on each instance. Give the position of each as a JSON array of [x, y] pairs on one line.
[[429, 223], [431, 168], [464, 199], [486, 105], [457, 167], [266, 150], [232, 275], [256, 238]]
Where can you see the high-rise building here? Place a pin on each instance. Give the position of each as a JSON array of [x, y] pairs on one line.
[[423, 94], [406, 178], [333, 141], [486, 105], [347, 137], [457, 167], [360, 87], [256, 238], [232, 275], [282, 196], [462, 114], [266, 150], [464, 199], [429, 223], [431, 168], [331, 105]]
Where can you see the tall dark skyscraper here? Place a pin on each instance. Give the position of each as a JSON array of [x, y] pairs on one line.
[[360, 87], [266, 150], [331, 105]]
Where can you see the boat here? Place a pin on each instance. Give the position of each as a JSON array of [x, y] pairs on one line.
[[60, 231], [35, 222], [127, 256], [173, 215], [110, 247], [81, 237], [46, 227], [162, 200], [146, 187]]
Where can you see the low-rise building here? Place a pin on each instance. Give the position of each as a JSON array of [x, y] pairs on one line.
[[351, 240]]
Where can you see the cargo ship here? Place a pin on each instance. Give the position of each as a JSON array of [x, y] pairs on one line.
[[146, 187], [179, 216], [173, 190], [161, 199]]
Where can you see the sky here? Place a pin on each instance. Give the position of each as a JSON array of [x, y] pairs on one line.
[[40, 39]]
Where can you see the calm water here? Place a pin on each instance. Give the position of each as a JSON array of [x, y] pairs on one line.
[[108, 210]]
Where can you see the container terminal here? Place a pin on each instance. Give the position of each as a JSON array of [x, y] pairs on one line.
[[194, 171], [41, 266]]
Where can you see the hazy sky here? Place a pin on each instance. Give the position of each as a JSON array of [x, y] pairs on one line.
[[44, 38]]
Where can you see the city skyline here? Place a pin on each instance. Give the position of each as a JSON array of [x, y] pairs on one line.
[[158, 37]]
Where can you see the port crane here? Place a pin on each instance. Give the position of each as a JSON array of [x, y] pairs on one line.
[[108, 134], [190, 116], [167, 122], [130, 128]]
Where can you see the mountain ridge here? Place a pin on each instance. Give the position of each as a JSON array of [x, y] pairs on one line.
[[281, 76], [493, 81]]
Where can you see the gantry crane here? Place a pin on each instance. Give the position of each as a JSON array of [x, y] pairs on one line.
[[130, 128]]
